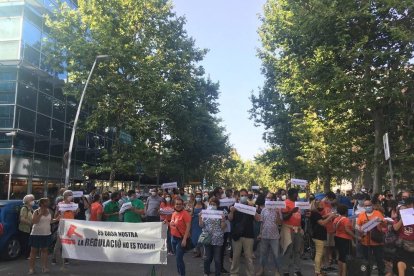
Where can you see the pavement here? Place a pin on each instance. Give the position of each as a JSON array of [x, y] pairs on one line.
[[194, 267]]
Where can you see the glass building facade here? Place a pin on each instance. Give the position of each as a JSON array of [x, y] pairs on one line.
[[35, 116]]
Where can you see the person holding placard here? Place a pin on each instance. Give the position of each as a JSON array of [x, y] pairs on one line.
[[242, 236], [329, 203], [291, 236], [134, 214], [368, 244], [166, 211], [214, 228]]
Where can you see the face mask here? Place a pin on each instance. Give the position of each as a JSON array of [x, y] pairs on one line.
[[198, 199], [32, 203], [168, 199], [212, 208], [283, 197], [205, 198], [369, 209], [70, 198], [153, 193], [243, 199]]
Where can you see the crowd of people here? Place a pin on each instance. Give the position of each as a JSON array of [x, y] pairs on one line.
[[336, 223]]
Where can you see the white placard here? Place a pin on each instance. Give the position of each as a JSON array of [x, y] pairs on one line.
[[275, 204], [370, 225], [255, 187], [250, 210], [302, 205], [386, 146], [170, 185], [63, 207], [167, 211], [225, 202], [120, 242], [212, 214], [77, 193], [299, 182], [125, 206], [389, 219], [407, 216]]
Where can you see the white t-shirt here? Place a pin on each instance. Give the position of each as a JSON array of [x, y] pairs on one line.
[[42, 228]]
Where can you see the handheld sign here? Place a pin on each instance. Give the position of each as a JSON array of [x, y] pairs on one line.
[[256, 188], [125, 206], [63, 207], [168, 211], [77, 193], [275, 204], [407, 216], [225, 202], [369, 225], [299, 182], [250, 210], [302, 205], [170, 185], [212, 214]]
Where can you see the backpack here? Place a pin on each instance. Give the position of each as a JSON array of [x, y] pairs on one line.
[[19, 212]]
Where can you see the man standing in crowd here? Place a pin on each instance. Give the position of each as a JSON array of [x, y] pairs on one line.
[[111, 210], [153, 206], [134, 213], [291, 236], [183, 195], [328, 208], [96, 209]]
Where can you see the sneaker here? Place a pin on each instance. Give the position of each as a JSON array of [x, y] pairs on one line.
[[66, 261]]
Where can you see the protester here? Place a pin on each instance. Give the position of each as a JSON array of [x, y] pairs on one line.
[[96, 209], [370, 247], [152, 208], [180, 230], [83, 204], [319, 233], [242, 237], [269, 234], [111, 209], [291, 236], [329, 206], [25, 224], [214, 228], [227, 231], [40, 235], [166, 210], [183, 195], [134, 214], [344, 235], [195, 227]]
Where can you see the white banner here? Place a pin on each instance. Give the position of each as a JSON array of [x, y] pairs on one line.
[[63, 207], [125, 206], [275, 204], [369, 225], [170, 185], [250, 210], [302, 205], [407, 216], [225, 202], [77, 193], [121, 242], [255, 187], [299, 182], [213, 214]]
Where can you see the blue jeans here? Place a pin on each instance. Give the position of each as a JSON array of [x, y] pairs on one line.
[[212, 252], [179, 255], [265, 246]]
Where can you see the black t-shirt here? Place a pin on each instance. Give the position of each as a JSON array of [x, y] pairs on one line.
[[319, 231], [244, 224]]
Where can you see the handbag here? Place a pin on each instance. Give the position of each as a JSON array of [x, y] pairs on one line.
[[205, 238]]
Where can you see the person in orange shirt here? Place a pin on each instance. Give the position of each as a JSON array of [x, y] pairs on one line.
[[96, 209], [328, 207], [343, 237], [291, 236], [368, 245]]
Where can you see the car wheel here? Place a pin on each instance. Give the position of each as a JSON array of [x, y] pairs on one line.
[[13, 249]]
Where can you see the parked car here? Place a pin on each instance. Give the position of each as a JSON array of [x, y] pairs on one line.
[[9, 218]]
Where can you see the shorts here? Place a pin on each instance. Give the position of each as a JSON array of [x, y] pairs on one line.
[[344, 248], [330, 240], [38, 241]]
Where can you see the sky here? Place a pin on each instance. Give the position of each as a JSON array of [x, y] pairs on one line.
[[228, 28]]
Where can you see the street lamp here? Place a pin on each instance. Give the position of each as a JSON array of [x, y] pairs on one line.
[[75, 123]]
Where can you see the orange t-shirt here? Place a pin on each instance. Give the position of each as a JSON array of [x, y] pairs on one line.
[[178, 223], [327, 209], [296, 218], [67, 214], [96, 208], [339, 224], [362, 219]]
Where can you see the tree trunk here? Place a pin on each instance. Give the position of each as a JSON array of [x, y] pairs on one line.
[[378, 131], [327, 183]]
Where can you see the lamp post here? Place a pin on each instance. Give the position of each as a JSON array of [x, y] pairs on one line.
[[75, 123]]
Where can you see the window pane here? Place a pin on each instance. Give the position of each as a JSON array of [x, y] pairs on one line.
[[58, 130], [42, 147], [7, 92], [23, 142], [31, 55], [25, 119], [28, 78], [42, 125], [9, 50], [46, 87], [44, 104], [6, 116], [5, 141], [8, 74], [10, 28], [31, 34], [58, 110], [26, 96]]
